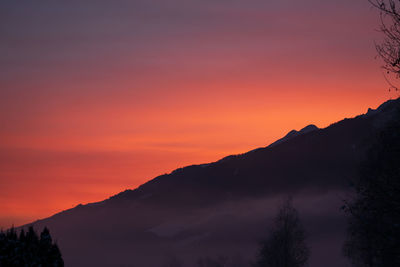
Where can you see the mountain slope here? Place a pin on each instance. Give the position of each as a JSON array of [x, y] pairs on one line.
[[223, 208], [294, 133]]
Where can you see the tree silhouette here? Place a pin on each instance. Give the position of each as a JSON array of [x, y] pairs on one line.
[[374, 210], [28, 249], [285, 245], [389, 48]]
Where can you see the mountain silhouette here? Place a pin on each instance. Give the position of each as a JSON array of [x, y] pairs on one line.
[[294, 133], [225, 207]]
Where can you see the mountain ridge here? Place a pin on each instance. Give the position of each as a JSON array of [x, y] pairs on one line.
[[305, 130], [291, 134], [225, 203]]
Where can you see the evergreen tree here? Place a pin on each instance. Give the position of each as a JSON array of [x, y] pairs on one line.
[[28, 249], [55, 256], [285, 245], [22, 236], [374, 210]]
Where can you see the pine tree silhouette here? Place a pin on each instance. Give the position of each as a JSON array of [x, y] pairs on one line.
[[286, 245], [28, 249]]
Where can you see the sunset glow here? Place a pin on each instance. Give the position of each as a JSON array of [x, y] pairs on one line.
[[92, 106]]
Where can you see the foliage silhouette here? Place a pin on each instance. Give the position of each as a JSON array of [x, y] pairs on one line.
[[374, 210], [28, 249], [286, 244], [389, 48]]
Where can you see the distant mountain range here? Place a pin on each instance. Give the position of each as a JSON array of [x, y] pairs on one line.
[[223, 209]]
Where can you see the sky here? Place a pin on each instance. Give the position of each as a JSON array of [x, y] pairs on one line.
[[100, 96]]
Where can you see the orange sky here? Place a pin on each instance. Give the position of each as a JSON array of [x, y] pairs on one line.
[[103, 99]]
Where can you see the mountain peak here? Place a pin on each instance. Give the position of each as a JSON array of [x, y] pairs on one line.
[[294, 133], [309, 128]]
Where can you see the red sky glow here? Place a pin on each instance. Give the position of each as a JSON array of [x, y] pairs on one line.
[[96, 98]]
